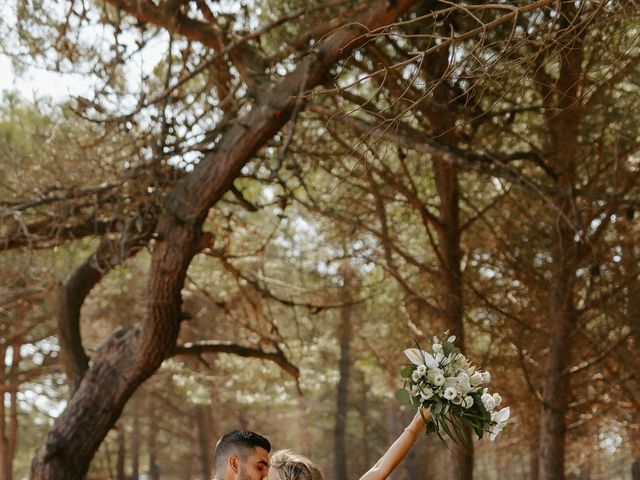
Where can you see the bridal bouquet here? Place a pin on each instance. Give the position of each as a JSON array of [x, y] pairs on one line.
[[454, 391]]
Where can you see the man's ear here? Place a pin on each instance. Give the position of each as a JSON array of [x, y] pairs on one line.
[[234, 463]]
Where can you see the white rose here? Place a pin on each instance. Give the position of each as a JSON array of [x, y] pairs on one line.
[[486, 377], [438, 379], [468, 401], [450, 393], [422, 369], [415, 376], [475, 379], [464, 383], [426, 394], [450, 382]]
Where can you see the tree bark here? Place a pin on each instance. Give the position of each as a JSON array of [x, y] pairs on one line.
[[73, 292], [8, 416], [129, 358], [4, 453], [449, 253], [135, 440], [205, 439], [122, 454], [344, 367], [152, 443], [563, 130], [635, 470], [12, 437]]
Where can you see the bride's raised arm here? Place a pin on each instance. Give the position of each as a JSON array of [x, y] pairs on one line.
[[396, 452]]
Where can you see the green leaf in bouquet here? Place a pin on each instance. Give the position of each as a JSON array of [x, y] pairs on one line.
[[407, 371], [477, 427], [448, 348], [404, 397], [436, 408]]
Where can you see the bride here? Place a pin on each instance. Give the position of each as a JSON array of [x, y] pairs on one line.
[[287, 465]]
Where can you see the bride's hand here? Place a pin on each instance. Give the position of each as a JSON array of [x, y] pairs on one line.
[[418, 422]]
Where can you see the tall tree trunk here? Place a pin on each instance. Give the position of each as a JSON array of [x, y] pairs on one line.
[[135, 440], [363, 410], [204, 422], [451, 296], [4, 453], [342, 397], [122, 454], [12, 434], [555, 387], [8, 409], [562, 127], [152, 444], [128, 359], [534, 447], [635, 470], [443, 121]]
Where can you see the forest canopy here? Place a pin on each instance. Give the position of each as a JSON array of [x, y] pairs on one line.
[[243, 212]]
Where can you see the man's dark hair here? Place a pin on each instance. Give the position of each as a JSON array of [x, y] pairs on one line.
[[238, 442]]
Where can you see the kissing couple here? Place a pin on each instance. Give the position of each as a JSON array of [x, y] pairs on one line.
[[243, 455]]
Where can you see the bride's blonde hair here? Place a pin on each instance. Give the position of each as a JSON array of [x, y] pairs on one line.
[[292, 466]]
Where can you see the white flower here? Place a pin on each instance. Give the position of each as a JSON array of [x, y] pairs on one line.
[[450, 393], [422, 369], [437, 348], [475, 379], [415, 376], [463, 382], [488, 401], [468, 401], [451, 339], [439, 357], [486, 377], [500, 418], [438, 379], [420, 357], [450, 382], [497, 398], [426, 394]]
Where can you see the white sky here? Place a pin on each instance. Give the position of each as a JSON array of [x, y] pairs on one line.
[[37, 83]]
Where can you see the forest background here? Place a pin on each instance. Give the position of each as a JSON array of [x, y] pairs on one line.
[[244, 212]]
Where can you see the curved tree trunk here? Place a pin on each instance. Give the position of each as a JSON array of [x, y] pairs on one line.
[[128, 359]]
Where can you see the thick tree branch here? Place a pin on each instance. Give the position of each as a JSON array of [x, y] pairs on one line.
[[277, 356]]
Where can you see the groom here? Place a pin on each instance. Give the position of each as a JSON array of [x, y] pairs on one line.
[[242, 455]]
